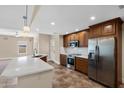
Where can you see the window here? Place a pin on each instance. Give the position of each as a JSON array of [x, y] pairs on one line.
[[22, 48]]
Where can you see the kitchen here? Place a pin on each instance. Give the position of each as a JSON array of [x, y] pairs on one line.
[[92, 50], [96, 63]]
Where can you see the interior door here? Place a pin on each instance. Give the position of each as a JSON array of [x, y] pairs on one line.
[[106, 63], [92, 43]]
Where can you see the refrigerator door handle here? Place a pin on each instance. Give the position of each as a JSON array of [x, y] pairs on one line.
[[96, 53]]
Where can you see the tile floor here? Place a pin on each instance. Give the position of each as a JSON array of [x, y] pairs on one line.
[[67, 78]]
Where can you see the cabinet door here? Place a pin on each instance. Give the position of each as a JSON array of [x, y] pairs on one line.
[[66, 40], [83, 39], [73, 37], [95, 31], [108, 28], [63, 59], [81, 65]]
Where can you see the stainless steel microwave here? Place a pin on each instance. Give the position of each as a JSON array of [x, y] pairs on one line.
[[74, 43]]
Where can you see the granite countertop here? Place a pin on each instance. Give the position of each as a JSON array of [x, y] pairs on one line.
[[83, 56], [40, 55], [26, 65]]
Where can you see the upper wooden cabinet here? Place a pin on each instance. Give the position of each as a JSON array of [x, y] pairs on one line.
[[81, 36], [95, 31], [106, 28], [66, 40], [73, 36]]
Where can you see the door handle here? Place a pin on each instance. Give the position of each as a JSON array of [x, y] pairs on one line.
[[96, 53]]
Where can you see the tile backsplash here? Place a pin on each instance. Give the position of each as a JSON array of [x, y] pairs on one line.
[[77, 50]]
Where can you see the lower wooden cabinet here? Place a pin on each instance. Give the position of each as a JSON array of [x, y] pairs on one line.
[[63, 59], [81, 64], [44, 58]]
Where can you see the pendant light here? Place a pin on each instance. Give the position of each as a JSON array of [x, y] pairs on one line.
[[26, 28]]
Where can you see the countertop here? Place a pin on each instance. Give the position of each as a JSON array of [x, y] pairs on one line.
[[81, 56], [26, 65], [40, 55]]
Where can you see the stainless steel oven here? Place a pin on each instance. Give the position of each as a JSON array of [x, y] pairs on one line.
[[70, 59]]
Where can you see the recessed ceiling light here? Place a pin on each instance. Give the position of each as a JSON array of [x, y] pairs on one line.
[[52, 23], [66, 32], [92, 17], [76, 29]]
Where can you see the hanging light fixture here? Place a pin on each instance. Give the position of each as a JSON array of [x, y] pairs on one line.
[[26, 28]]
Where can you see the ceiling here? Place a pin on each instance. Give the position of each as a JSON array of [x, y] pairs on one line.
[[67, 18]]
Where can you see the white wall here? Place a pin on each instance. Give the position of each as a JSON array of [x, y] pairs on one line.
[[123, 53], [36, 42], [44, 43], [61, 40], [55, 48], [8, 46]]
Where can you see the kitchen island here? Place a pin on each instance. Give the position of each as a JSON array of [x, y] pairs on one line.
[[29, 72]]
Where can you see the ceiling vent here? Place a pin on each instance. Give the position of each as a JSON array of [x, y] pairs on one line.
[[121, 6]]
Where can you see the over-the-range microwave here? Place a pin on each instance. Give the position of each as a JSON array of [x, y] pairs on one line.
[[74, 43]]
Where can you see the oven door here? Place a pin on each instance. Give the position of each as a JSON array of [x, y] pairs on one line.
[[70, 61]]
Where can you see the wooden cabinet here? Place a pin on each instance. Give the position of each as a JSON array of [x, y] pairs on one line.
[[66, 40], [95, 31], [81, 36], [63, 59], [81, 64], [83, 39], [44, 58], [108, 28], [73, 37]]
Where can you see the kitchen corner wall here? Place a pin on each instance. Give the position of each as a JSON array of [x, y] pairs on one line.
[[49, 44], [55, 43], [123, 53]]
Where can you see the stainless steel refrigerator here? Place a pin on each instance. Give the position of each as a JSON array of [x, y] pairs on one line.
[[101, 60]]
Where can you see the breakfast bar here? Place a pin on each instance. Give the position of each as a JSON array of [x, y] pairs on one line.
[[29, 72]]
